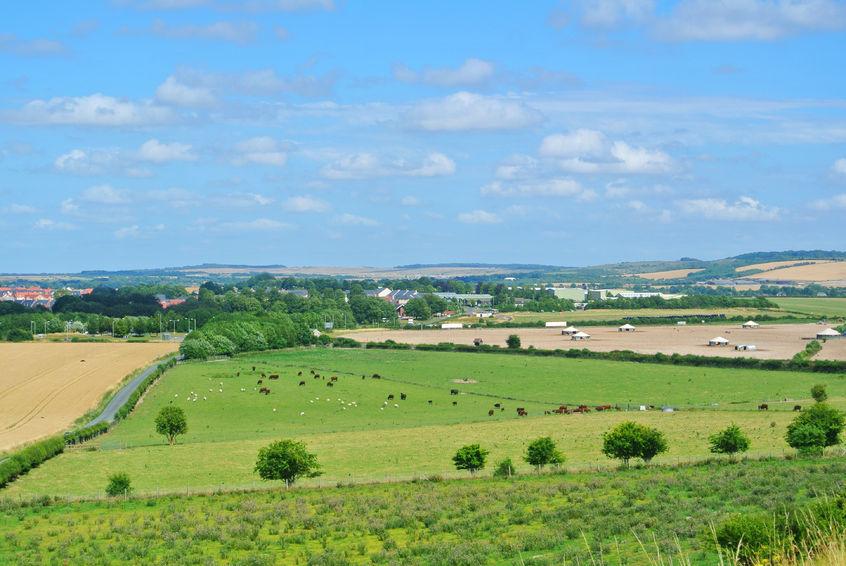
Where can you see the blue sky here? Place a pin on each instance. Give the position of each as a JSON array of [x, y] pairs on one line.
[[144, 133]]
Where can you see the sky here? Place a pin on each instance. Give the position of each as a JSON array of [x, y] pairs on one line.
[[152, 133]]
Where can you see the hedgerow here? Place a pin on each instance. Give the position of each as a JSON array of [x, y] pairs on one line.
[[20, 462]]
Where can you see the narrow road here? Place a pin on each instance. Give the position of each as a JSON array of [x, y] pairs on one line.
[[108, 414]]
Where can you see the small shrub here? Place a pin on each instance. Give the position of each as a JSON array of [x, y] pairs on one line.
[[819, 393], [729, 441], [752, 538], [513, 342], [119, 484], [505, 469]]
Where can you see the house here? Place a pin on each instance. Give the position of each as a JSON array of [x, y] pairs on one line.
[[580, 336], [750, 324], [626, 328], [402, 296], [746, 347], [718, 341], [597, 294], [380, 293], [828, 333]]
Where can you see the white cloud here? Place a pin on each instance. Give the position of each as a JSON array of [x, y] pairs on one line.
[[172, 91], [517, 167], [611, 13], [470, 73], [243, 200], [260, 82], [835, 202], [48, 224], [366, 165], [743, 209], [839, 166], [354, 220], [92, 110], [479, 217], [158, 152], [10, 43], [539, 188], [106, 194], [85, 162], [468, 111], [234, 32], [305, 204], [708, 20], [640, 160], [18, 209], [578, 143], [261, 150]]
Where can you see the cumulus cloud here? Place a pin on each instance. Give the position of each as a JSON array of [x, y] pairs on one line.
[[106, 194], [234, 32], [172, 91], [86, 162], [242, 200], [539, 188], [305, 204], [743, 209], [469, 111], [262, 150], [158, 152], [259, 82], [10, 43], [479, 217], [257, 225], [472, 72], [578, 143], [839, 166], [92, 110], [589, 151], [365, 165], [611, 13], [355, 220]]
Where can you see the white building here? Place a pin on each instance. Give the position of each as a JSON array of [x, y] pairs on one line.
[[626, 328], [828, 333], [451, 325], [750, 324], [569, 331], [580, 336], [561, 324], [746, 347], [718, 341]]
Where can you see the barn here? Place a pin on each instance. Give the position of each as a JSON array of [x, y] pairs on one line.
[[580, 336], [626, 328], [718, 341], [828, 333], [750, 324]]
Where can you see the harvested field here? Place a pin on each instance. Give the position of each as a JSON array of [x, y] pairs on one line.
[[833, 350], [671, 274], [777, 264], [831, 273], [44, 387], [776, 341]]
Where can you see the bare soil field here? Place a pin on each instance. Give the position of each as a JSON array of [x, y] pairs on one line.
[[672, 274], [775, 341], [833, 350], [828, 273], [44, 387]]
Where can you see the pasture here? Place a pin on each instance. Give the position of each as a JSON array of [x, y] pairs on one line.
[[45, 387], [773, 341], [619, 314], [585, 518], [359, 435], [815, 306]]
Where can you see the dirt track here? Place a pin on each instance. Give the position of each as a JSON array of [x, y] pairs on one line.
[[774, 341], [44, 387]]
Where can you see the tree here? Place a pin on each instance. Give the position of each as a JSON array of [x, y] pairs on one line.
[[513, 342], [822, 416], [807, 438], [170, 422], [19, 335], [286, 460], [729, 441], [630, 440], [471, 457], [542, 452], [819, 393], [119, 484], [436, 304], [505, 469], [418, 308]]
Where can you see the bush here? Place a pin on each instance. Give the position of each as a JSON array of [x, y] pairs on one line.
[[505, 469], [286, 460], [819, 393], [630, 440], [729, 441], [81, 435], [807, 438], [513, 342], [19, 335], [471, 458], [752, 538], [119, 484], [18, 463], [543, 452], [196, 348], [826, 418]]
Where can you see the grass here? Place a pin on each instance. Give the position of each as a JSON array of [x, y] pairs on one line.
[[359, 438], [819, 306], [587, 518], [618, 314]]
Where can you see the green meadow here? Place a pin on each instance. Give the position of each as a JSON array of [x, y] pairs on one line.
[[818, 306], [361, 436]]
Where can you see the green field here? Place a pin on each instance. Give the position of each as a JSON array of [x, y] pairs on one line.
[[619, 314], [585, 518], [359, 436], [819, 306]]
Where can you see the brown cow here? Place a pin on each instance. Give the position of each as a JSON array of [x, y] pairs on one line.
[[274, 376], [334, 378], [403, 396], [391, 397], [454, 403], [490, 413], [453, 391], [763, 407]]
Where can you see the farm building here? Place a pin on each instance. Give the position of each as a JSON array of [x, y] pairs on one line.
[[451, 325], [569, 331], [746, 347], [828, 333], [560, 324], [575, 294], [626, 328], [580, 336], [750, 324], [467, 298], [718, 341]]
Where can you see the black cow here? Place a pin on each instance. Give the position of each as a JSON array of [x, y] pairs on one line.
[[453, 391], [490, 413], [797, 407], [403, 396], [302, 383]]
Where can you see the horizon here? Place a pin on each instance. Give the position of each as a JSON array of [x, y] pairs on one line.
[[143, 133]]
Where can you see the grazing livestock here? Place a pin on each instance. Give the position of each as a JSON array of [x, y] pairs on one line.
[[490, 413], [797, 407], [603, 407], [430, 401], [259, 382], [302, 383], [254, 368], [522, 412], [299, 373], [264, 390], [477, 341], [497, 405], [403, 396], [454, 403], [334, 378], [238, 374], [763, 407], [453, 391], [274, 376], [376, 376], [262, 374], [391, 397], [330, 384]]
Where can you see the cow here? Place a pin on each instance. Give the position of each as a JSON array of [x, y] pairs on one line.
[[238, 374], [299, 374], [454, 403], [477, 341], [302, 383], [391, 397], [274, 376], [453, 391], [497, 405], [254, 368], [259, 382], [316, 376], [403, 396], [797, 407], [522, 413], [603, 407], [333, 378], [330, 384], [521, 410], [763, 407], [547, 413], [490, 413], [430, 401], [362, 377], [311, 371], [264, 390], [376, 376]]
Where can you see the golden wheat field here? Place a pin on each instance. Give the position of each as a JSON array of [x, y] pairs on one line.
[[44, 387], [671, 274], [830, 273]]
